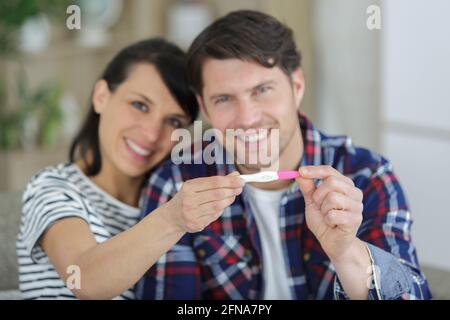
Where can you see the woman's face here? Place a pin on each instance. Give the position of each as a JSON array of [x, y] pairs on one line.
[[136, 121]]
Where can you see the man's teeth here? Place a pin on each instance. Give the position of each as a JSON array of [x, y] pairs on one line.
[[254, 137], [140, 151]]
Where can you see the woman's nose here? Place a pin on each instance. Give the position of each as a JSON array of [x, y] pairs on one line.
[[151, 129]]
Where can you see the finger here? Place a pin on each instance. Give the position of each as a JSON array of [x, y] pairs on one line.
[[307, 187], [333, 201], [337, 201], [214, 207], [322, 172], [201, 223], [343, 218], [337, 218], [206, 196], [336, 184], [215, 182]]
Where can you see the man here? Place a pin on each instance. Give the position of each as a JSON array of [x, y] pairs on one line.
[[342, 230]]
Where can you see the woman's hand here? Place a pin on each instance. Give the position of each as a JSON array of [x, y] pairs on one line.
[[201, 201]]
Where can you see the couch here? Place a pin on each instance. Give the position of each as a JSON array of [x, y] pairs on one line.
[[10, 208]]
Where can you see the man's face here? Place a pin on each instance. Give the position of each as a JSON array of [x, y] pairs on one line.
[[262, 102]]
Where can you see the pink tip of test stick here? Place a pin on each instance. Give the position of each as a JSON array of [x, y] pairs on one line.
[[286, 175]]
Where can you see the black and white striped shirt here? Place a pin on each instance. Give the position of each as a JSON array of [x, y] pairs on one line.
[[55, 193]]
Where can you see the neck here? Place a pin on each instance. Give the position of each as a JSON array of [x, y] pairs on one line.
[[123, 188], [289, 159]]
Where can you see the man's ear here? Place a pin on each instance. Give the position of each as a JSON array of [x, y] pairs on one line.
[[298, 85], [202, 107], [100, 96]]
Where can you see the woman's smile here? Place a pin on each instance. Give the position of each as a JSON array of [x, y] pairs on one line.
[[138, 151]]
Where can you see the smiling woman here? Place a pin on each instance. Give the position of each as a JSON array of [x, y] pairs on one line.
[[83, 215]]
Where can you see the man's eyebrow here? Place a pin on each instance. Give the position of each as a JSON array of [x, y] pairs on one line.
[[215, 96], [264, 83], [144, 97]]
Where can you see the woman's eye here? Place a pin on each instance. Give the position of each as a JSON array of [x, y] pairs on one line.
[[140, 106], [175, 123]]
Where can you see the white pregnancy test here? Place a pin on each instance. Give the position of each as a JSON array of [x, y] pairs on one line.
[[268, 176]]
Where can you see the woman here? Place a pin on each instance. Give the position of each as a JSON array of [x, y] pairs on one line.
[[80, 236]]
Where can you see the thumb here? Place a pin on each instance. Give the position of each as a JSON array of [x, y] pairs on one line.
[[234, 173], [307, 187]]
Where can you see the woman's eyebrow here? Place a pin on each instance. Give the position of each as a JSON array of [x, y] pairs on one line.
[[144, 97], [180, 115]]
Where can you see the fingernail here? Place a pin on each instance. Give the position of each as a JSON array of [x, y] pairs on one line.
[[303, 171]]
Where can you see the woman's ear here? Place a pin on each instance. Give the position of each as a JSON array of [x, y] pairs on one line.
[[100, 96], [298, 85]]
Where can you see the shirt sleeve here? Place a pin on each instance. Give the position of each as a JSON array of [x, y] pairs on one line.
[[181, 280], [395, 272], [46, 200]]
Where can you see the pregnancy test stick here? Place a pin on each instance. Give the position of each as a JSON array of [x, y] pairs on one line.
[[267, 176]]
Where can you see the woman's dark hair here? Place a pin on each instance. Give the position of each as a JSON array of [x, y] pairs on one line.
[[169, 61], [245, 35]]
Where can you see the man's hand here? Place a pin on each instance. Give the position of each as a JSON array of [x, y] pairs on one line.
[[201, 201], [333, 210], [334, 213]]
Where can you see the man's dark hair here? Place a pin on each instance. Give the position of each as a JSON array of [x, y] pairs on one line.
[[246, 35]]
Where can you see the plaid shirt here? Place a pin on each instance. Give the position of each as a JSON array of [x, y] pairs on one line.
[[224, 261]]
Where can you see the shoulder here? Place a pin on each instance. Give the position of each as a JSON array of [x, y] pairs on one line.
[[356, 162], [63, 177], [64, 172]]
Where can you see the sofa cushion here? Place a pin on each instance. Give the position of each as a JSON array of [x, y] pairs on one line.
[[10, 213]]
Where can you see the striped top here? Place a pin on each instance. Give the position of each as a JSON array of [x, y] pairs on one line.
[[55, 193]]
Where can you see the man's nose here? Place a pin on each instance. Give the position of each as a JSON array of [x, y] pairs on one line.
[[248, 115]]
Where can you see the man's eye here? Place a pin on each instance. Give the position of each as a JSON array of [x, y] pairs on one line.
[[264, 89], [140, 106], [221, 100]]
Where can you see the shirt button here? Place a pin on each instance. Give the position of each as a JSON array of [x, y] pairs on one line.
[[247, 253], [201, 253], [306, 256]]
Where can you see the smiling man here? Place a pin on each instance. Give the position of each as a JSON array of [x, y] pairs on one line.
[[342, 230]]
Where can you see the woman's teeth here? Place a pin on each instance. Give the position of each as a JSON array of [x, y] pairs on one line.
[[254, 137], [140, 151]]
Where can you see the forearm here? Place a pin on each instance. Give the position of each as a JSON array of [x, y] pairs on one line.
[[112, 267], [353, 270]]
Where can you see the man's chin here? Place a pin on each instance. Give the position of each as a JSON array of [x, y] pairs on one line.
[[271, 164]]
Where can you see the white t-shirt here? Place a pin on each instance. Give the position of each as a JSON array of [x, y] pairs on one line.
[[265, 206], [55, 193]]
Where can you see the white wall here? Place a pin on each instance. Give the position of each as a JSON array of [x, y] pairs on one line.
[[347, 70], [416, 115], [390, 90]]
